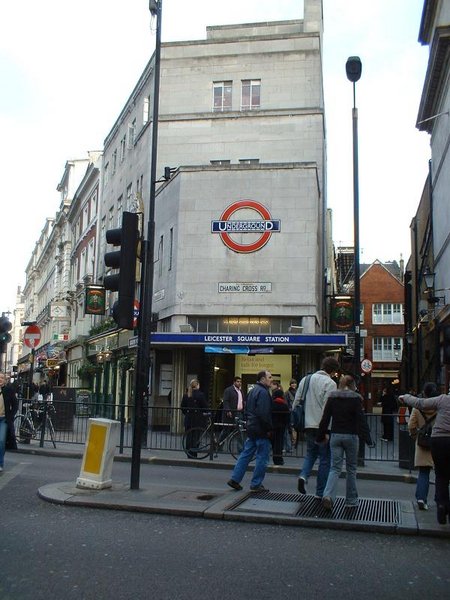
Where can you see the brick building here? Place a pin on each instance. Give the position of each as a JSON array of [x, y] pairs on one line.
[[382, 324]]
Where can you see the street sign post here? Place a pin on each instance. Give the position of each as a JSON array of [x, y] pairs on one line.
[[366, 366], [32, 336]]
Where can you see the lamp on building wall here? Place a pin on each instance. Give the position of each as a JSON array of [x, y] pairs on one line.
[[104, 355], [429, 279]]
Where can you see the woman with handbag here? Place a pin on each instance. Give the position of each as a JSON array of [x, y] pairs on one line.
[[422, 455], [440, 447]]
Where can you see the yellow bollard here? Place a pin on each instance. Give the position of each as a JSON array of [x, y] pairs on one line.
[[101, 442]]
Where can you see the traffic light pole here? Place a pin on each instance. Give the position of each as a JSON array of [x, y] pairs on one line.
[[143, 365]]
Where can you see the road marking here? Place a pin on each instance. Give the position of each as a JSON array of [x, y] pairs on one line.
[[9, 475]]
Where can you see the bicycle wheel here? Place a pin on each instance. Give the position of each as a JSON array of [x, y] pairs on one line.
[[197, 442], [23, 429], [236, 443]]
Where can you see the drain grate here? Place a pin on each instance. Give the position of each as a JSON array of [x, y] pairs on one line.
[[369, 510]]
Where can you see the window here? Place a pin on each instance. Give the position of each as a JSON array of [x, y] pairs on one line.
[[170, 248], [106, 173], [119, 210], [161, 255], [129, 195], [114, 161], [222, 91], [387, 349], [387, 314], [131, 134], [139, 186], [123, 145], [251, 94], [146, 111], [249, 161], [86, 215], [220, 162]]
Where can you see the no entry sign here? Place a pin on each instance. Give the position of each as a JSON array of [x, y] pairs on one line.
[[32, 336]]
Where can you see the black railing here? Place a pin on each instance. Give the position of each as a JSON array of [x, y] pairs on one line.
[[166, 428]]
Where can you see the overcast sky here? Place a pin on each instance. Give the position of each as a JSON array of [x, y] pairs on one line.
[[67, 69]]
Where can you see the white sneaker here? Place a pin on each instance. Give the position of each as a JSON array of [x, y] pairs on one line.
[[1, 469], [422, 505]]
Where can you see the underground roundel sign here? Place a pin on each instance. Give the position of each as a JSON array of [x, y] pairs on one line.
[[256, 223]]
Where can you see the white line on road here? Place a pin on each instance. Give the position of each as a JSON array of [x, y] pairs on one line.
[[9, 475]]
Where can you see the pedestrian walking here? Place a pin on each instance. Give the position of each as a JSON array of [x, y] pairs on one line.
[[344, 408], [388, 409], [440, 447], [289, 396], [280, 420], [321, 385], [193, 407], [258, 413]]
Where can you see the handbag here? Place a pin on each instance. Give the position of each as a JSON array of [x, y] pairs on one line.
[[424, 432], [298, 414]]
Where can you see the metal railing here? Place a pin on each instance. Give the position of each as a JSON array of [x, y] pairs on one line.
[[166, 428]]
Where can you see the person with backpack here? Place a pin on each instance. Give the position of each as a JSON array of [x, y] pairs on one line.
[[440, 447], [320, 385], [422, 455]]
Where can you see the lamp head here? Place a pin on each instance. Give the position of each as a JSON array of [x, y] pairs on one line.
[[353, 68]]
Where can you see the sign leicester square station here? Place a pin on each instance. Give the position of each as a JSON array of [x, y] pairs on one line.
[[274, 339]]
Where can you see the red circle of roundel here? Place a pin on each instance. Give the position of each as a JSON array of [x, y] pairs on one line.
[[260, 242]]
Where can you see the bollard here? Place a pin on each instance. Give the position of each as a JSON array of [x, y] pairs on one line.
[[101, 442]]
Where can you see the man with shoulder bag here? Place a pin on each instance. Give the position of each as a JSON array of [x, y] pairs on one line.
[[320, 386]]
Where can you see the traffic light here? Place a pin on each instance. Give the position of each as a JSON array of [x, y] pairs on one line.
[[5, 337], [124, 260], [446, 345]]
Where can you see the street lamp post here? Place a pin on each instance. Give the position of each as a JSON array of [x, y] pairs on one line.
[[143, 362], [353, 69]]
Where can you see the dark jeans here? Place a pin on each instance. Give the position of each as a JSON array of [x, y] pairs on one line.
[[277, 446], [440, 451], [192, 439], [388, 427]]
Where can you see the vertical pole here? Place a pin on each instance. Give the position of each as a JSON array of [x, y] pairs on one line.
[[357, 291], [357, 297], [30, 374], [145, 317]]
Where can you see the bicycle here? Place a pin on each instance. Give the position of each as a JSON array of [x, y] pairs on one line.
[[200, 442], [37, 415]]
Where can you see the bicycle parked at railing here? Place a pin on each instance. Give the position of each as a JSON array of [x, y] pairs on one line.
[[200, 442], [37, 415]]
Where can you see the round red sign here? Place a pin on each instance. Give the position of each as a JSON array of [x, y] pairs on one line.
[[265, 226], [32, 336]]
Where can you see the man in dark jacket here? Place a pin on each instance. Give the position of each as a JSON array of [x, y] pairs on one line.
[[8, 408], [258, 411], [233, 400]]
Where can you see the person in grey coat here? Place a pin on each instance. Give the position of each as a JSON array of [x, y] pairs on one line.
[[440, 447]]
